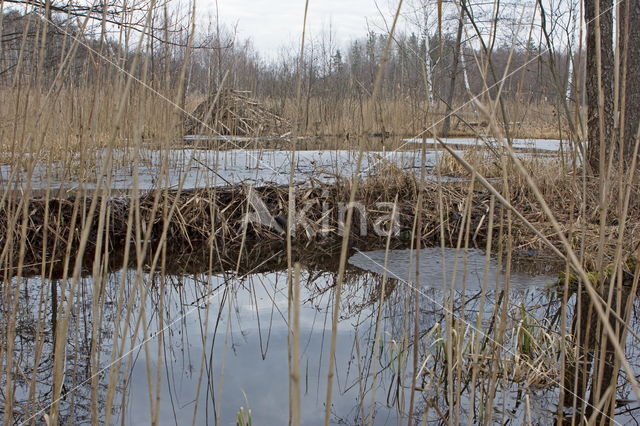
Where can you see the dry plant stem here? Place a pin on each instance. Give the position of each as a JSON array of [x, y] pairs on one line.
[[97, 302], [154, 403], [505, 291], [120, 304], [406, 317], [483, 293], [452, 331], [563, 326], [460, 331], [416, 295], [205, 333], [301, 66], [441, 212], [347, 230], [338, 290], [376, 342], [161, 313], [295, 369], [294, 394], [362, 371]]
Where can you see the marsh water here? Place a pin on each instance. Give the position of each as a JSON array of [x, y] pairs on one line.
[[219, 341]]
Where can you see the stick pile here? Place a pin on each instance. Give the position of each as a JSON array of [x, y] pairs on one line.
[[234, 113]]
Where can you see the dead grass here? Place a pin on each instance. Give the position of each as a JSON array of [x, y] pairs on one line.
[[78, 120], [404, 117]]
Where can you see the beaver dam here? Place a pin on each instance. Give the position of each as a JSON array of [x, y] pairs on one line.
[[232, 293], [384, 209]]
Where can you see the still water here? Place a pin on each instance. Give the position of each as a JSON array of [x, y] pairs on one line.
[[216, 342]]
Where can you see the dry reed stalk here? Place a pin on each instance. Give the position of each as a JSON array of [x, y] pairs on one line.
[[295, 353], [345, 241], [376, 343]]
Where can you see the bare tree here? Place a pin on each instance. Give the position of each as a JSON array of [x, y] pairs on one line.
[[630, 90], [455, 60], [599, 80]]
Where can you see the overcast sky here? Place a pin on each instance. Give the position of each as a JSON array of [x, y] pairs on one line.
[[275, 23]]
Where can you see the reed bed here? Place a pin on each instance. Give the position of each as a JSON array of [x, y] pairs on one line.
[[405, 117]]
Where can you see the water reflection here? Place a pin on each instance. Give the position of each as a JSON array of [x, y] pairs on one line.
[[218, 341], [442, 267]]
